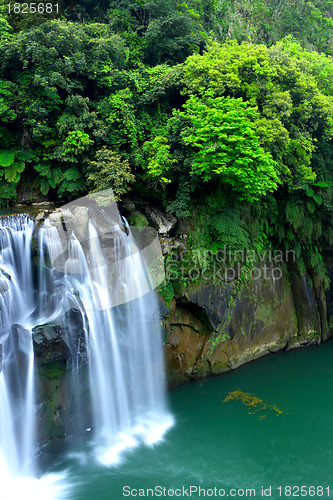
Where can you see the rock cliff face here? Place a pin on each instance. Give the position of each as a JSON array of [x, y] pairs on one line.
[[214, 325], [207, 332], [63, 403]]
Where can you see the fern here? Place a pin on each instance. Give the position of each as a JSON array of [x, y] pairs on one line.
[[6, 158], [71, 187], [43, 169], [317, 229], [311, 207], [307, 229], [297, 249], [294, 215], [13, 171], [44, 187], [227, 228], [182, 204], [72, 174]]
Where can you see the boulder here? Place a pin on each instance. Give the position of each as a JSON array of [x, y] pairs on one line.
[[161, 221], [61, 341], [60, 217], [50, 343], [40, 217]]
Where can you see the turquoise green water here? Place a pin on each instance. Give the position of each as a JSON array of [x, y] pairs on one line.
[[226, 445]]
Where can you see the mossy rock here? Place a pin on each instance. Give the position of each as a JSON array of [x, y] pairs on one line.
[[138, 219], [52, 370]]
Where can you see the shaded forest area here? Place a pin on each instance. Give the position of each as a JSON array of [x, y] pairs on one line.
[[218, 111]]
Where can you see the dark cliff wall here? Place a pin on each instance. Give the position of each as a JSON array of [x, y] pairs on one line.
[[207, 333]]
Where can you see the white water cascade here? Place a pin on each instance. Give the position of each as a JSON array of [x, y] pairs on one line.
[[111, 285], [17, 359], [88, 262]]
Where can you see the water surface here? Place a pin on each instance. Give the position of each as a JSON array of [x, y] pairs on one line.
[[230, 445]]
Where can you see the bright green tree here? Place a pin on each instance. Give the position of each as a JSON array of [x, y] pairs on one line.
[[227, 147]]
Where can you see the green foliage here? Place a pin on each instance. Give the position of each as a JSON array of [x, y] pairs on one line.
[[48, 70], [227, 147], [12, 164], [72, 183], [13, 171], [295, 112], [6, 158], [235, 134], [75, 143], [159, 157], [228, 230], [181, 205], [7, 114], [7, 191], [267, 21], [166, 290], [138, 220], [108, 170]]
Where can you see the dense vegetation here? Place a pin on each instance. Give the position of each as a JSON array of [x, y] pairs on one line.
[[220, 110]]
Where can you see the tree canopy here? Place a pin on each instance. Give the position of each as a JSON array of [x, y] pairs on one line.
[[227, 102]]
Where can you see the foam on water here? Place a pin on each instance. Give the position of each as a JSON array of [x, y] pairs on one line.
[[50, 486]]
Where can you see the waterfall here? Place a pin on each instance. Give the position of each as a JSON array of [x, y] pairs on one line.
[[17, 360], [88, 263], [109, 279]]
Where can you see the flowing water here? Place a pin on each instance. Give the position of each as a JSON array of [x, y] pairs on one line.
[[122, 339], [16, 391]]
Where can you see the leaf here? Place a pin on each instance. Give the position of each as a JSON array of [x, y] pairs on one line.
[[72, 174], [44, 187], [321, 184], [57, 177], [311, 207], [43, 169], [216, 246], [297, 249], [26, 155], [6, 158], [318, 199], [12, 173], [309, 192]]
